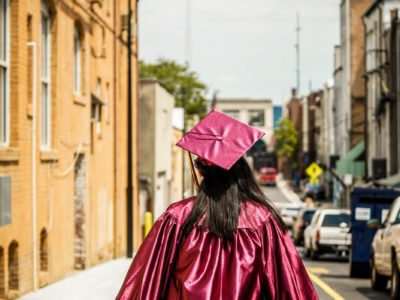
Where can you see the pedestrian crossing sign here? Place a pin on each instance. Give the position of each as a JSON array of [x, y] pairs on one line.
[[314, 171]]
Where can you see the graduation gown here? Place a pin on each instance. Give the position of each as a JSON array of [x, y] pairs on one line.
[[261, 261]]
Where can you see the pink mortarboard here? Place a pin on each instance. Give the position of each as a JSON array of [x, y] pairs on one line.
[[220, 139]]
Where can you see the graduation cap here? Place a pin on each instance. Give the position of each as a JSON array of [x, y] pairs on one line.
[[220, 139]]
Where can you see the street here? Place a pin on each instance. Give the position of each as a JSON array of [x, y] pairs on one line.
[[330, 274]]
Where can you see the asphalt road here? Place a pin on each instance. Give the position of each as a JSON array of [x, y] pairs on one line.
[[330, 274], [275, 195]]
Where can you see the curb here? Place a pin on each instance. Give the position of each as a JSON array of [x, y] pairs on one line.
[[286, 190]]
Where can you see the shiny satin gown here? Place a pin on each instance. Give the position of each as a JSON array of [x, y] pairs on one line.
[[260, 263]]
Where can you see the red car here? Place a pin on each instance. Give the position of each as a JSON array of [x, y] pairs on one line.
[[267, 176]]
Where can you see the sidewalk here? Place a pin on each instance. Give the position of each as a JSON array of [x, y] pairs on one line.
[[97, 283], [286, 189]]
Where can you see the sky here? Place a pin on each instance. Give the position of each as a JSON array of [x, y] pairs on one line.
[[244, 48]]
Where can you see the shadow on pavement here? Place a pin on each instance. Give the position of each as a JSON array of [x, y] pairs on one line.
[[371, 294]]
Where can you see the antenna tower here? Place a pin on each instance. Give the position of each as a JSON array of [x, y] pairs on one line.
[[297, 46]]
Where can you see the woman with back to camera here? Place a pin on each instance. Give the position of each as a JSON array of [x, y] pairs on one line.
[[227, 242]]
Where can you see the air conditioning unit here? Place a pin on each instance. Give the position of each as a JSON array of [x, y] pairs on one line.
[[99, 2], [332, 161], [378, 168], [5, 200]]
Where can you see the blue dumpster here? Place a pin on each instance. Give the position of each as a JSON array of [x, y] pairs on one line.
[[366, 204]]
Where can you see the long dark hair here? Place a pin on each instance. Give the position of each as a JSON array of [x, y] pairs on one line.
[[217, 205]]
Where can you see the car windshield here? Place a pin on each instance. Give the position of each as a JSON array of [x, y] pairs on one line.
[[335, 220], [292, 208], [308, 215]]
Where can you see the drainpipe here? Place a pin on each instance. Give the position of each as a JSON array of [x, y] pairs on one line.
[[129, 192], [114, 101], [34, 225]]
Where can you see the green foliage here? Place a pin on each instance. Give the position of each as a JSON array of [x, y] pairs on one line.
[[180, 82], [286, 140]]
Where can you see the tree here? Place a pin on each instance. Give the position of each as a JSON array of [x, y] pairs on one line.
[[179, 81], [286, 140]]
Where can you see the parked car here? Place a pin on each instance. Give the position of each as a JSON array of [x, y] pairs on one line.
[[289, 212], [317, 191], [303, 219], [267, 176], [385, 251], [329, 232]]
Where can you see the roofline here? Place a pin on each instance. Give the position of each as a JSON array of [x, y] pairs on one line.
[[372, 7]]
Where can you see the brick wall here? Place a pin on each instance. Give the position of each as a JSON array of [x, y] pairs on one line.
[[103, 145]]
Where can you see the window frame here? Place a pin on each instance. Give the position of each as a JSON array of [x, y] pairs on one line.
[[259, 112], [77, 60], [5, 64], [45, 80]]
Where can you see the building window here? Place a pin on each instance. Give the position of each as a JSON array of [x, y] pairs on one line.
[[4, 75], [13, 266], [232, 113], [45, 99], [2, 274], [256, 117], [371, 51], [43, 251], [77, 60], [96, 103]]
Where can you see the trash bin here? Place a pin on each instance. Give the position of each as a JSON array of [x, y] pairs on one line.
[[366, 204]]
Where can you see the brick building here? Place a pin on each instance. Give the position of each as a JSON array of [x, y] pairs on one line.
[[63, 138]]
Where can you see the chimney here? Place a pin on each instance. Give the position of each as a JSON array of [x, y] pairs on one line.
[[294, 93]]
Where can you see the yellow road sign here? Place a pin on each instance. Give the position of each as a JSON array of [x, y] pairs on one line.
[[314, 171]]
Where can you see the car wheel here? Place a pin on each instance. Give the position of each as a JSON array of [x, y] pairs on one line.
[[378, 282], [306, 250], [394, 285], [314, 254]]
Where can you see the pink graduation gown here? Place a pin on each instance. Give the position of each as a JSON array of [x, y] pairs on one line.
[[260, 263]]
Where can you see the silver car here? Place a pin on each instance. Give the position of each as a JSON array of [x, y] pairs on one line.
[[385, 251], [329, 232]]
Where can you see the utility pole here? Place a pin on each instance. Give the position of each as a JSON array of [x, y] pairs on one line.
[[129, 189], [188, 40], [297, 46]]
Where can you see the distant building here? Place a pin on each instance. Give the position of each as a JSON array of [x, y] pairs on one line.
[[277, 114], [349, 90], [382, 73], [349, 83], [255, 112], [155, 144]]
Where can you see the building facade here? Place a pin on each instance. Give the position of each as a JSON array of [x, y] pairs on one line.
[[381, 63], [155, 134], [255, 112], [349, 71], [63, 138]]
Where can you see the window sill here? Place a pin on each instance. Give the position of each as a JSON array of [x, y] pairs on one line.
[[79, 100], [9, 155], [49, 155]]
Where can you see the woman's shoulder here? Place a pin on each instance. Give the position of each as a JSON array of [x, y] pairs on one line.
[[181, 209], [254, 214]]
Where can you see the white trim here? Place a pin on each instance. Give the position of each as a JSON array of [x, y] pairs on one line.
[[6, 64], [45, 80], [77, 62]]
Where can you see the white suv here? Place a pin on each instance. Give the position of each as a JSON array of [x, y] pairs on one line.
[[385, 251], [329, 232]]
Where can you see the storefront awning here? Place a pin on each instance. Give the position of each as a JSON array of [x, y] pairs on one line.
[[392, 181], [353, 162]]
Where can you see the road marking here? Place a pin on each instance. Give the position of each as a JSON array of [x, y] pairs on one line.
[[318, 270], [325, 287]]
